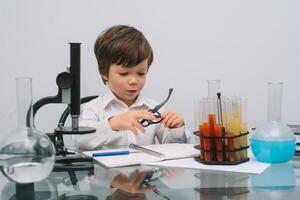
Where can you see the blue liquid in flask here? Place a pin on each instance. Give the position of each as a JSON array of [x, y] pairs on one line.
[[273, 151]]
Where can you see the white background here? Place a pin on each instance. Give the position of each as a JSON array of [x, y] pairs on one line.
[[245, 44]]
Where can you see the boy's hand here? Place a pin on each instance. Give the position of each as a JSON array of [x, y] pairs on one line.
[[130, 121], [172, 119]]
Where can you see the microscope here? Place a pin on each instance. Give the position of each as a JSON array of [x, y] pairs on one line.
[[68, 93]]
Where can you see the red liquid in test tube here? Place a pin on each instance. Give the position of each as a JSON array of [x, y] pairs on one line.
[[218, 142], [207, 143]]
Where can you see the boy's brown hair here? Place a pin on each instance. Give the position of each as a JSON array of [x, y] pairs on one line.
[[121, 45]]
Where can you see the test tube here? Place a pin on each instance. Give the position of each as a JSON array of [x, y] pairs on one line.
[[244, 128], [234, 123], [218, 130], [218, 142], [200, 118], [207, 128], [214, 86], [196, 113], [225, 111], [229, 135]]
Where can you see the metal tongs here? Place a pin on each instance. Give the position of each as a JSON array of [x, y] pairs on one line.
[[147, 122]]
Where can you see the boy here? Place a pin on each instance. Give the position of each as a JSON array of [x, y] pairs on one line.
[[124, 56]]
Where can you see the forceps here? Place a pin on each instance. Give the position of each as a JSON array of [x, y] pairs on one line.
[[147, 122]]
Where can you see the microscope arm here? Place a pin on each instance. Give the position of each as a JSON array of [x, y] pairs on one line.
[[42, 102], [66, 113]]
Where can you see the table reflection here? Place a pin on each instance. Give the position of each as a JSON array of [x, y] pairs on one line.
[[276, 182], [218, 185], [279, 181]]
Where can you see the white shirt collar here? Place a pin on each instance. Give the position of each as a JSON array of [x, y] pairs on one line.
[[140, 101], [108, 98]]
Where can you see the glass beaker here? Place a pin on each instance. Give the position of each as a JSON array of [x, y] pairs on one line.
[[273, 141], [214, 86], [27, 155]]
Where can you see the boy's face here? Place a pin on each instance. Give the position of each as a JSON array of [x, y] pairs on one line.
[[126, 83]]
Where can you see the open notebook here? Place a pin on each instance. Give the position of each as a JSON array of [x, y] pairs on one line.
[[135, 157]]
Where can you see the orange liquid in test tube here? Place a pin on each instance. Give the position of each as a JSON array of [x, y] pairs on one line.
[[212, 122], [218, 141], [207, 144]]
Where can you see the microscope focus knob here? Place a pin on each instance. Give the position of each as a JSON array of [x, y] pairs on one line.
[[64, 80]]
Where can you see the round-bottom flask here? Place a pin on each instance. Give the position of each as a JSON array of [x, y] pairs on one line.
[[26, 155], [273, 141]]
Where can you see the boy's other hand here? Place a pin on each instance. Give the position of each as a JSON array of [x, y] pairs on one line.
[[172, 119], [130, 121]]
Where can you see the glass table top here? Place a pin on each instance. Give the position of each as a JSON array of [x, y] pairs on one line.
[[279, 181]]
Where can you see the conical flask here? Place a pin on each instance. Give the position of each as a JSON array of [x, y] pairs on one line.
[[27, 155], [273, 141]]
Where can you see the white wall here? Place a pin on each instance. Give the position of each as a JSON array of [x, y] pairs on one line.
[[243, 43]]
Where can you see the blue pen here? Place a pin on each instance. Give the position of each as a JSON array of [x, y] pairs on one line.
[[114, 153]]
